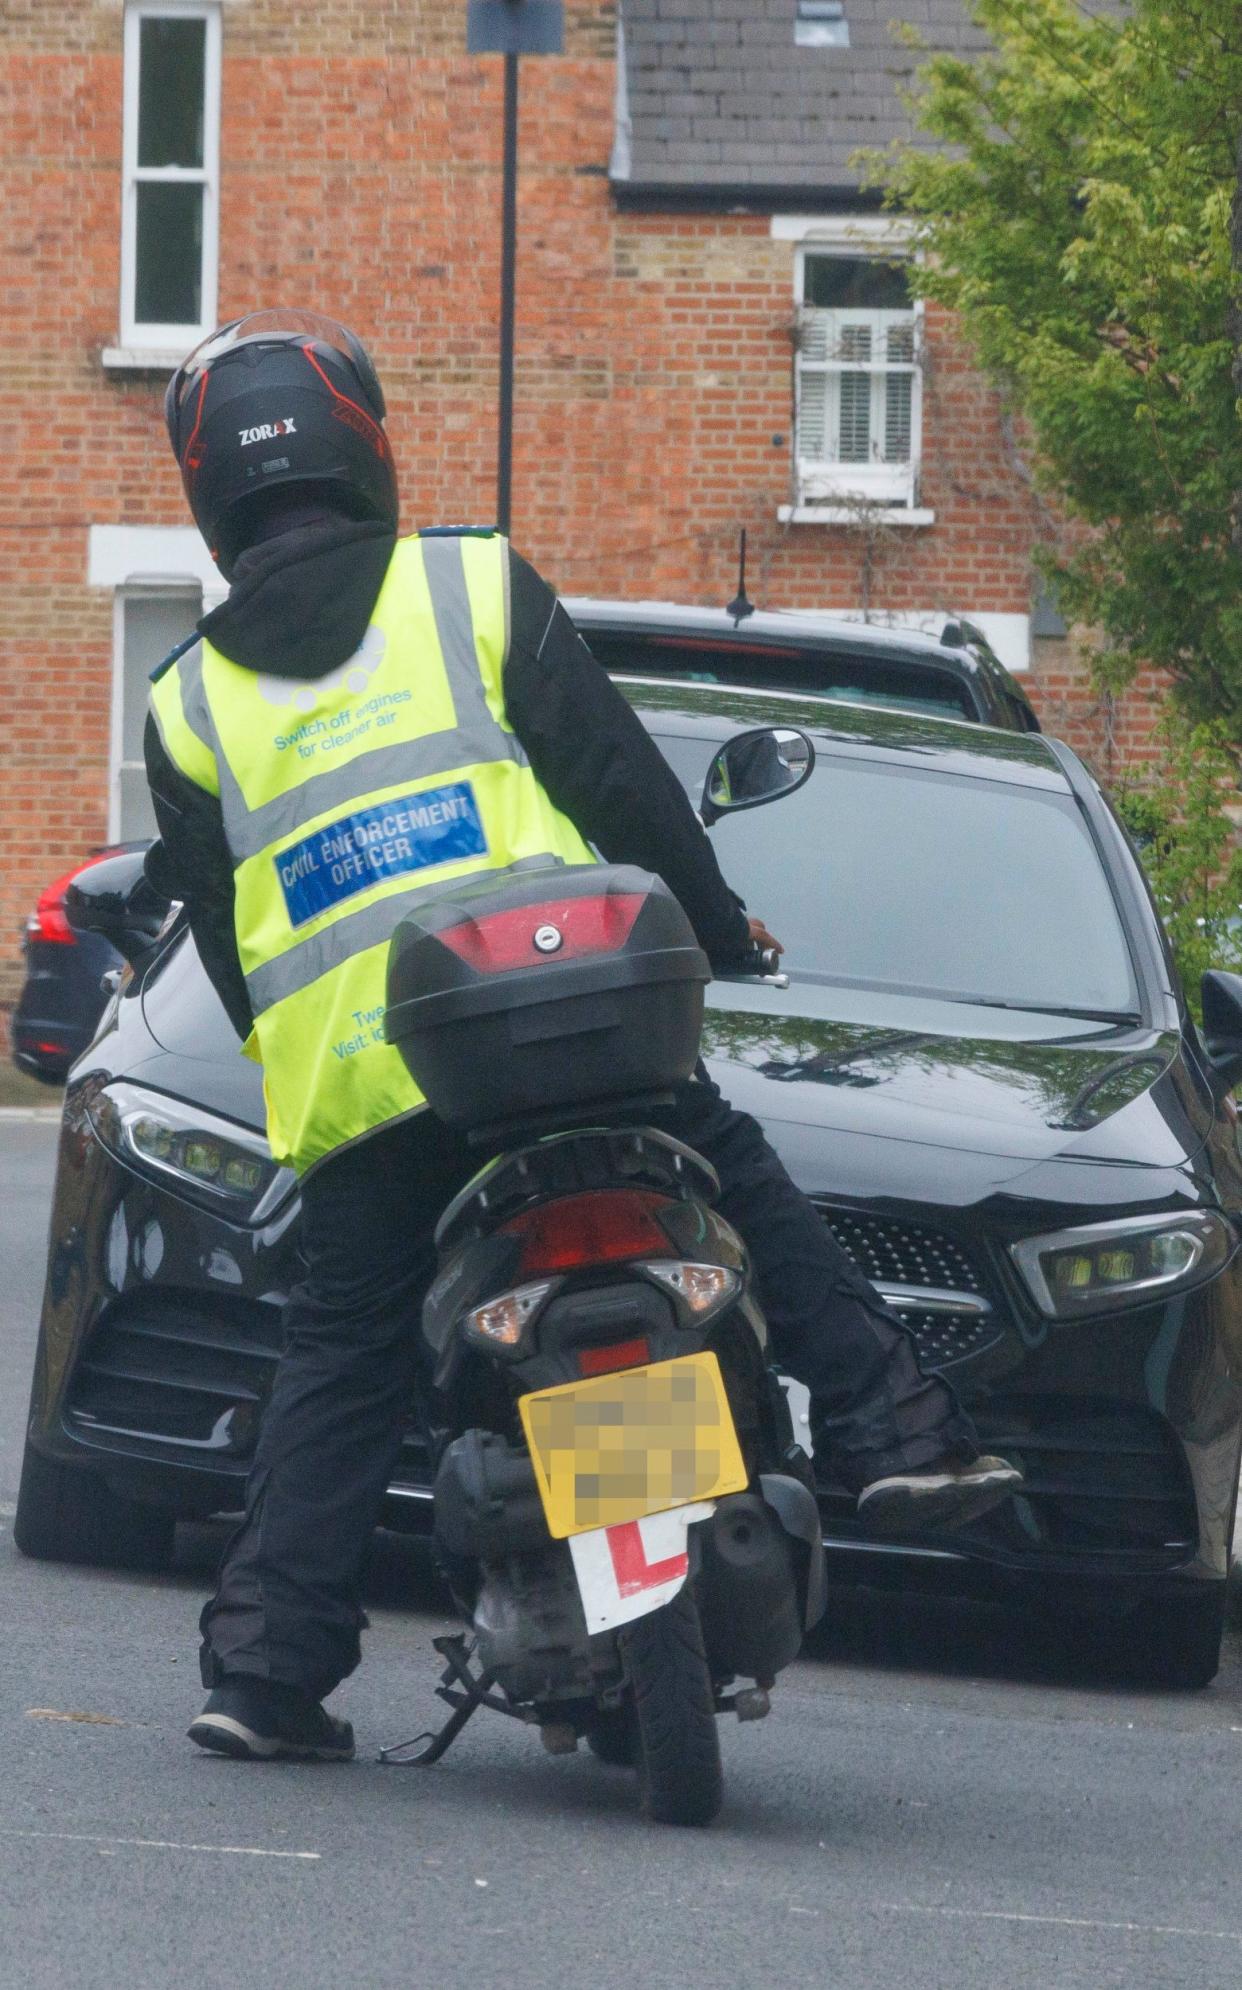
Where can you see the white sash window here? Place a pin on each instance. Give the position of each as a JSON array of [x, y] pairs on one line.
[[858, 383], [171, 168]]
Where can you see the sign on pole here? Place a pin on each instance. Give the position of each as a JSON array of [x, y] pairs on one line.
[[515, 27]]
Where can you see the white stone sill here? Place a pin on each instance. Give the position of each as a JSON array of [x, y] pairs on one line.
[[830, 514], [139, 359]]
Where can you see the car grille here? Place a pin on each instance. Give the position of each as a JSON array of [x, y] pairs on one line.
[[171, 1376], [1100, 1482], [922, 1272], [942, 1337], [165, 1378], [1102, 1479], [891, 1252]]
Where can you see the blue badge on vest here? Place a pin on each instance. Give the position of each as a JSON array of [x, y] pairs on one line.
[[361, 849]]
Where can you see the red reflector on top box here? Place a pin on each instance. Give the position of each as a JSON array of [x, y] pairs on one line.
[[574, 928], [545, 992]]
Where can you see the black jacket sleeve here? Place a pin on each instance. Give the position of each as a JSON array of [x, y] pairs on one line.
[[601, 768], [198, 870]]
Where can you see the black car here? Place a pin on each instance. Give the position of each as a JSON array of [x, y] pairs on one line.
[[63, 993], [953, 674], [983, 1073]]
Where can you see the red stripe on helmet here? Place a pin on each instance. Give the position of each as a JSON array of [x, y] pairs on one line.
[[373, 428], [190, 460]]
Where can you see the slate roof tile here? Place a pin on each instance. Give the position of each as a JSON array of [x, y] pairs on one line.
[[720, 93]]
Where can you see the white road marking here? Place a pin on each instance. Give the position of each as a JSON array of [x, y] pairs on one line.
[[6, 1510], [48, 1113], [1063, 1921], [157, 1844]]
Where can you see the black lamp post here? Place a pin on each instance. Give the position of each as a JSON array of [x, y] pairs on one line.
[[510, 28]]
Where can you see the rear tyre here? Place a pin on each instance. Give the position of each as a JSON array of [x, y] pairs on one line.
[[675, 1714], [68, 1514]]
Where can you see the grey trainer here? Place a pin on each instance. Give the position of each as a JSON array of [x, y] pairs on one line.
[[256, 1720], [947, 1494]]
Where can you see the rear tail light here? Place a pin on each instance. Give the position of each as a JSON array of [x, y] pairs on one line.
[[48, 921], [621, 1354], [602, 1226], [560, 929]]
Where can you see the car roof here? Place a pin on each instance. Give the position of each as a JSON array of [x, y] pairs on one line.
[[794, 628], [712, 712]]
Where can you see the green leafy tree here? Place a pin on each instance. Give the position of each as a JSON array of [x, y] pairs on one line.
[[1082, 212], [1174, 810]]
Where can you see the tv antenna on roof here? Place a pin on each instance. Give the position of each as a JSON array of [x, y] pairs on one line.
[[741, 605]]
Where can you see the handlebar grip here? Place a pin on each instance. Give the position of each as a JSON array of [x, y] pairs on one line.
[[757, 960]]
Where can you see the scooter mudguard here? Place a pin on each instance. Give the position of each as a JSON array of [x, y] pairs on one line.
[[636, 1567]]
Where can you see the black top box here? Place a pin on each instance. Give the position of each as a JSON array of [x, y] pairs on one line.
[[545, 990]]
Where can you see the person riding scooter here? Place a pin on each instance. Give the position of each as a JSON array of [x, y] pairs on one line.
[[369, 718]]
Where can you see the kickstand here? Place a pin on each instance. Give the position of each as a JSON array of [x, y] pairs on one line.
[[460, 1689]]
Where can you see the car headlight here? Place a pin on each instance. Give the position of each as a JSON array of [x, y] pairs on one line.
[[211, 1161], [1106, 1265]]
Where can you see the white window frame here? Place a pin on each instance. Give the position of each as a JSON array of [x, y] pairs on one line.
[[136, 336], [828, 482], [145, 560], [876, 481], [117, 763]]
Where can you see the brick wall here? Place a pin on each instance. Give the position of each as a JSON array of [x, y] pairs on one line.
[[361, 151]]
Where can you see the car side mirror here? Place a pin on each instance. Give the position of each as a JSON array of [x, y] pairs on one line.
[[755, 767], [1222, 1027], [115, 897]]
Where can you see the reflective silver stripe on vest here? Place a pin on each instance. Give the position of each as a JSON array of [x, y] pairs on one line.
[[289, 973], [194, 699], [250, 831], [476, 739], [450, 601]]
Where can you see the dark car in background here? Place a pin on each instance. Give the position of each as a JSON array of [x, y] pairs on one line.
[[982, 1071], [63, 993], [953, 674]]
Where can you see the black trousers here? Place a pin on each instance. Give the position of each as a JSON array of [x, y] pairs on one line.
[[287, 1605]]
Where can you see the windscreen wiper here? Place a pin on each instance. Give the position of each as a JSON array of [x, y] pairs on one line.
[[1117, 1016]]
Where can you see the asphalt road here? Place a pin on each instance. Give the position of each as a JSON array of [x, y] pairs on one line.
[[938, 1801]]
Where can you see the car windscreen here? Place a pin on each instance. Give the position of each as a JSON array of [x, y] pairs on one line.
[[893, 877], [853, 680]]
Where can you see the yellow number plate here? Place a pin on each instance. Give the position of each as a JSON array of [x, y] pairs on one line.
[[640, 1441]]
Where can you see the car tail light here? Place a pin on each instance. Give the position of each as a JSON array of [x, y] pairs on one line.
[[48, 921], [566, 929], [601, 1226]]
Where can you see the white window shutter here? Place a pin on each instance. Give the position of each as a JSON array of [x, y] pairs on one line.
[[857, 403], [813, 416]]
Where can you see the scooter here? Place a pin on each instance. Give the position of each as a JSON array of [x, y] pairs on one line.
[[621, 1510]]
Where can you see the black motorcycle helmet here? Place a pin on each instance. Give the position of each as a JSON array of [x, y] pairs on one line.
[[278, 398]]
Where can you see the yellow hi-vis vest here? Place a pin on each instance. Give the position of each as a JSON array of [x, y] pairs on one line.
[[346, 800]]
